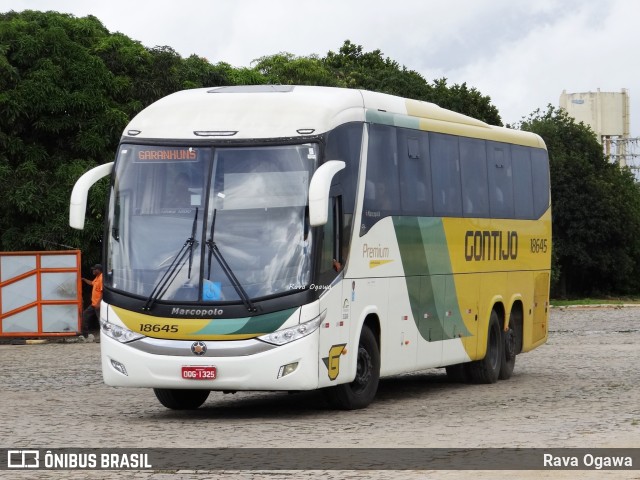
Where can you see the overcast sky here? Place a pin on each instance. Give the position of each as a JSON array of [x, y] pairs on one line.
[[521, 53]]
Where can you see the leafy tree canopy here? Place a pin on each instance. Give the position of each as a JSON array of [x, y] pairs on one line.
[[58, 118], [351, 67], [596, 210], [68, 88]]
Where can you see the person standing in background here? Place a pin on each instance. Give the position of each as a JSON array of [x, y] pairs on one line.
[[93, 311]]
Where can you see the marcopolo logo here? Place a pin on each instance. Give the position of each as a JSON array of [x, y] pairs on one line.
[[197, 311]]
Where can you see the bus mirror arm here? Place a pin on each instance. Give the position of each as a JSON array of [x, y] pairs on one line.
[[319, 191], [78, 204]]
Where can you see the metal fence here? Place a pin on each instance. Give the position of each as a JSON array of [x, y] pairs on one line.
[[40, 293]]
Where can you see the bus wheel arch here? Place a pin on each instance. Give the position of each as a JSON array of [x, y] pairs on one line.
[[362, 390], [487, 369], [516, 321], [512, 340], [373, 322]]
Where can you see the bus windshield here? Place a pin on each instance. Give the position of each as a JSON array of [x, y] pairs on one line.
[[193, 224]]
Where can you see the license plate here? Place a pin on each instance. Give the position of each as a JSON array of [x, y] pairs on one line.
[[199, 373]]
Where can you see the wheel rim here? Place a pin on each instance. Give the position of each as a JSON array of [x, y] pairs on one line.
[[363, 372], [510, 344], [494, 349]]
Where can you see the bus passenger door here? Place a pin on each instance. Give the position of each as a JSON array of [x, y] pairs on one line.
[[334, 349]]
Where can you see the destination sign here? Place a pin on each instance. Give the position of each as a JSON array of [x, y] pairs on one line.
[[167, 155]]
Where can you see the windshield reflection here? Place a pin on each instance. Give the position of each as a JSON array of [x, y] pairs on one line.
[[259, 197]]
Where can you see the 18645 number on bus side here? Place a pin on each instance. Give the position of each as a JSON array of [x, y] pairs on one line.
[[539, 245]]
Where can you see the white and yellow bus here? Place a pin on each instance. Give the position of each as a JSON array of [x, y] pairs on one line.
[[296, 238]]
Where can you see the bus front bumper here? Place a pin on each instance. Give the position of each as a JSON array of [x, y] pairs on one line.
[[158, 363]]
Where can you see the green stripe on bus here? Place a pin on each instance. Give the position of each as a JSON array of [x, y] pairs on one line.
[[425, 259], [384, 118], [260, 324]]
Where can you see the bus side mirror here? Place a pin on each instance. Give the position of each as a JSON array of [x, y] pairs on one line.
[[78, 204], [319, 191]]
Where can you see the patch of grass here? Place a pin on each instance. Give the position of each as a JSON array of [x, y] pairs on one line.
[[595, 301]]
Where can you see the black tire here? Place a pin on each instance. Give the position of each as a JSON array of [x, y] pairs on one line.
[[181, 399], [487, 370], [361, 392], [509, 342], [458, 373]]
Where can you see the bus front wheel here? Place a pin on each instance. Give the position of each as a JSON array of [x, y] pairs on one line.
[[362, 390], [487, 370], [181, 399]]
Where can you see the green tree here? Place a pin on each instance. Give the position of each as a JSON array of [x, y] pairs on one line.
[[462, 99], [355, 68], [596, 210], [57, 119], [195, 72], [287, 69], [128, 62], [241, 75], [68, 87], [352, 67]]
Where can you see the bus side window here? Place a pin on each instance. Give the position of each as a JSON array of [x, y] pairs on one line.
[[500, 180], [338, 260], [445, 175], [522, 182], [331, 258], [540, 173], [415, 173], [382, 195], [473, 163]]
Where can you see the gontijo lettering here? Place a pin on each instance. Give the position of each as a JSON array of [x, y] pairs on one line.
[[481, 245]]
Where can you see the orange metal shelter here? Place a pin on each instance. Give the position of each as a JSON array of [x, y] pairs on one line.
[[40, 293]]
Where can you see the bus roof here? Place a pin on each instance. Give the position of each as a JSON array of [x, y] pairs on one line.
[[284, 111]]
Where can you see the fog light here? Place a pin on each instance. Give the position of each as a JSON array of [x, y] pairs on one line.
[[119, 367], [287, 369]]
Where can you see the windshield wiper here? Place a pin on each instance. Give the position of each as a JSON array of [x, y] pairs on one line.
[[176, 265], [215, 251]]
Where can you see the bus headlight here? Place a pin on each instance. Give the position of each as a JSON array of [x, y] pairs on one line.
[[121, 334], [287, 335]]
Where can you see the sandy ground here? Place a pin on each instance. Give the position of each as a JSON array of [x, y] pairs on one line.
[[581, 389]]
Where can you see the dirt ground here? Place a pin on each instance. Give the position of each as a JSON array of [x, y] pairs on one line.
[[581, 389]]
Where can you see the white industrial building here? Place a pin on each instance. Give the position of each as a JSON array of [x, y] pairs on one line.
[[608, 115]]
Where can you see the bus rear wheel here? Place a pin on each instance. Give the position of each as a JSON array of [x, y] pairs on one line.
[[510, 345], [487, 370], [181, 399], [361, 392]]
